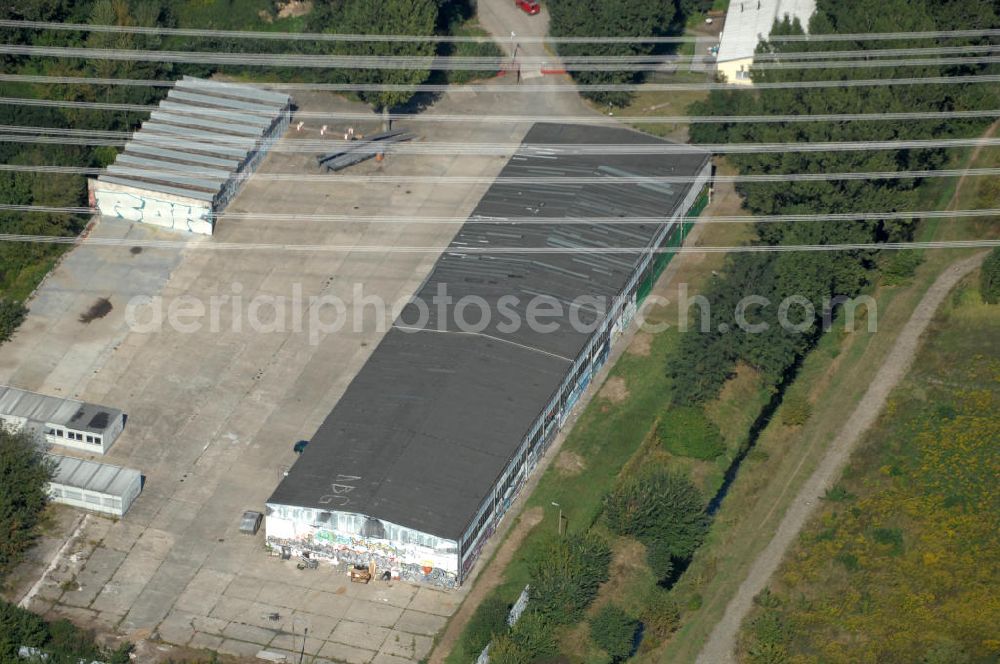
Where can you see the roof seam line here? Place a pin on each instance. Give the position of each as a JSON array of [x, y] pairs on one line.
[[488, 336]]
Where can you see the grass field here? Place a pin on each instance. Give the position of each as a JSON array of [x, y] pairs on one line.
[[833, 378], [900, 562]]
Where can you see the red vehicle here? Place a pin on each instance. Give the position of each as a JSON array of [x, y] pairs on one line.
[[530, 7]]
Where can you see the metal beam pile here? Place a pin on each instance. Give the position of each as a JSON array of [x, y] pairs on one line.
[[363, 149]]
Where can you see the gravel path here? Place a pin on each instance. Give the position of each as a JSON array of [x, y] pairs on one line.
[[721, 643]]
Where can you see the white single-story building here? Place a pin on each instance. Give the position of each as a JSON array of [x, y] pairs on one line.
[[748, 22], [61, 421], [190, 158], [94, 486]]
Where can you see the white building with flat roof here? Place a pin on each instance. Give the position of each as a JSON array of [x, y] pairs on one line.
[[60, 421], [99, 487], [748, 22]]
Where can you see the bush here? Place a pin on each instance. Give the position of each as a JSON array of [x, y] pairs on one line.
[[796, 410], [566, 575], [489, 620], [11, 315], [662, 508], [505, 650], [989, 278], [767, 653], [898, 266], [486, 49], [63, 642], [614, 631], [534, 635], [660, 560], [770, 627], [660, 613], [685, 431], [25, 472]]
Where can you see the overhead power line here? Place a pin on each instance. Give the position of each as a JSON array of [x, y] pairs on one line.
[[595, 118], [26, 134], [450, 63], [326, 37], [525, 88], [208, 244], [193, 175], [572, 221]]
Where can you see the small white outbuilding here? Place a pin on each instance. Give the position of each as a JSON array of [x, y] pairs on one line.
[[99, 487], [83, 426]]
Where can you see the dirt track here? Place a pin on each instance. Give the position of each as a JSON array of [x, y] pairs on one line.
[[722, 640]]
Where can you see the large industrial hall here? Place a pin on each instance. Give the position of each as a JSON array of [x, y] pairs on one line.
[[422, 456]]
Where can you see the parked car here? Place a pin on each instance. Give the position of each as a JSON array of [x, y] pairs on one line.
[[250, 523], [300, 446], [530, 7]]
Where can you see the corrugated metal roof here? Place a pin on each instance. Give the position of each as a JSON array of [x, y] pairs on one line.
[[138, 148], [45, 409], [93, 476], [208, 184], [206, 124], [200, 123], [215, 113], [432, 419], [232, 89], [152, 186], [145, 162]]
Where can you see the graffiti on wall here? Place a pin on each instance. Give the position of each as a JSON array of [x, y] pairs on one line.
[[153, 211], [414, 562]]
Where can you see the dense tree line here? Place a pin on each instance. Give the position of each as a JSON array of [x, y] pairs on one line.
[[23, 496], [624, 18], [708, 355], [61, 641]]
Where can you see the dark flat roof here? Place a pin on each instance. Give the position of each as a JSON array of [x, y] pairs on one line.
[[432, 419]]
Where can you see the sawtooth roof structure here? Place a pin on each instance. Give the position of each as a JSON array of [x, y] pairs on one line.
[[211, 127], [432, 419], [750, 21]]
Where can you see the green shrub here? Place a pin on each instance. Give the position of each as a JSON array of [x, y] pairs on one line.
[[891, 537], [767, 599], [505, 650], [660, 559], [898, 266], [767, 653], [489, 620], [486, 49], [848, 560], [534, 635], [685, 431], [989, 278], [660, 613], [796, 410], [614, 631], [25, 472], [838, 494], [770, 627], [662, 508], [63, 642], [11, 315], [566, 575]]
